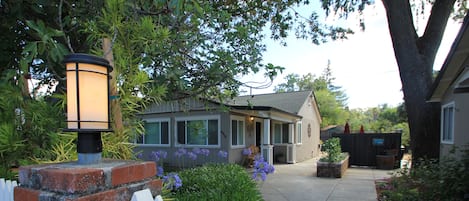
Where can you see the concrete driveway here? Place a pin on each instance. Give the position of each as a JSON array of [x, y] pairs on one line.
[[298, 182]]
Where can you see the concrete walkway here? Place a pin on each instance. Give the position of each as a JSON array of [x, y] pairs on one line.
[[298, 182]]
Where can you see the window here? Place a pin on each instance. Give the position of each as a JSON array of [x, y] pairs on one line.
[[299, 133], [280, 133], [447, 123], [198, 131], [237, 131], [156, 132]]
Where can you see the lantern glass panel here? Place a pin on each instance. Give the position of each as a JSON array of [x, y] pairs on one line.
[[92, 96]]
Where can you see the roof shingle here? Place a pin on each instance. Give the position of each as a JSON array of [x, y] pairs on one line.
[[288, 101]]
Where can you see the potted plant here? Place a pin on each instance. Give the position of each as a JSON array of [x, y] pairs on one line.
[[335, 163]]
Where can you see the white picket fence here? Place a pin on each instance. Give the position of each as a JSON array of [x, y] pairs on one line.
[[7, 186], [6, 189]]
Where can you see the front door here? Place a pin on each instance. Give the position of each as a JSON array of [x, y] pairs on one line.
[[258, 134]]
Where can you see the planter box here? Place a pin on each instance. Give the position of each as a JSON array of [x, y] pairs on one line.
[[336, 170]]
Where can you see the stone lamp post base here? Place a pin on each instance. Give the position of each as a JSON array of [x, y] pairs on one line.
[[110, 180]]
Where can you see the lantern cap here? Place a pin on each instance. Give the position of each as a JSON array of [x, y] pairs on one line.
[[87, 58]]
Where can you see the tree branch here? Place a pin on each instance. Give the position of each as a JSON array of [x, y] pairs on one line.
[[430, 41], [67, 39], [401, 28]]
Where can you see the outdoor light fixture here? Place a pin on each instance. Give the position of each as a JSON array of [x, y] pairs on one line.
[[88, 110]]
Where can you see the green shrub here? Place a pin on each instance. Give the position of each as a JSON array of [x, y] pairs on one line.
[[432, 180], [217, 182], [333, 150], [28, 126]]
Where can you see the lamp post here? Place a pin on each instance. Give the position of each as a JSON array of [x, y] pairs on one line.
[[88, 110]]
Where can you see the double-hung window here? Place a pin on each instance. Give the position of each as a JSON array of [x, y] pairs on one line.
[[299, 133], [280, 133], [447, 123], [237, 131], [203, 130], [156, 132]]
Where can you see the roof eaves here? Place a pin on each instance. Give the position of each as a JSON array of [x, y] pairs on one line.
[[263, 108], [448, 59]]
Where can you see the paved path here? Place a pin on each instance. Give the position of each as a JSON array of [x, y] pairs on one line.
[[298, 182]]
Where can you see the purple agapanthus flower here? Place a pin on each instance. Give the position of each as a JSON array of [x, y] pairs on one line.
[[222, 154], [258, 157], [205, 152], [140, 155], [172, 181], [261, 168], [162, 154], [155, 156], [180, 152], [247, 152], [159, 171], [192, 155], [196, 150]]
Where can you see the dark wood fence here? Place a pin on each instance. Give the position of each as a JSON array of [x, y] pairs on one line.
[[363, 148]]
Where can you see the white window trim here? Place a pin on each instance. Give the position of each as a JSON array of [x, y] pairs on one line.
[[299, 132], [451, 104], [238, 118], [153, 120], [197, 118]]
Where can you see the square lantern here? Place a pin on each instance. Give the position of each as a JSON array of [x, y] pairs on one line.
[[88, 107]]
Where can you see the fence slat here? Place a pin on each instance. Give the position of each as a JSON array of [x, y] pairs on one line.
[[3, 194], [7, 189]]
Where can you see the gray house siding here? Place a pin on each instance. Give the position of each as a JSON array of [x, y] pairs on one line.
[[234, 152], [451, 90], [251, 117], [461, 119], [310, 137], [173, 147]]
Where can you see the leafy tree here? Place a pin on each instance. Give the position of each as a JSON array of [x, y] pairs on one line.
[[187, 47], [340, 95], [192, 47], [291, 84], [332, 113], [28, 127], [330, 98], [415, 55], [381, 119]]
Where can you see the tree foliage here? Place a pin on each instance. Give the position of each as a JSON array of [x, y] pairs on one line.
[[185, 47], [191, 47], [381, 119], [28, 128], [415, 55], [331, 99]]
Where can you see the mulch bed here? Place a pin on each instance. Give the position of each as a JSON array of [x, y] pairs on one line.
[[382, 185]]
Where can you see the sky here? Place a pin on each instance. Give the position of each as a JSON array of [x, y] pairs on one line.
[[363, 65]]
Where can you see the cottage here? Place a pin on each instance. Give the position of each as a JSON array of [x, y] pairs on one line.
[[283, 126], [451, 89]]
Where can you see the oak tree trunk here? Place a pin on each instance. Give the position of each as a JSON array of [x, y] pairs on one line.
[[415, 57]]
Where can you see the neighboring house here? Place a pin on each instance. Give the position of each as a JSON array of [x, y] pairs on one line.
[[285, 126], [451, 89]]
